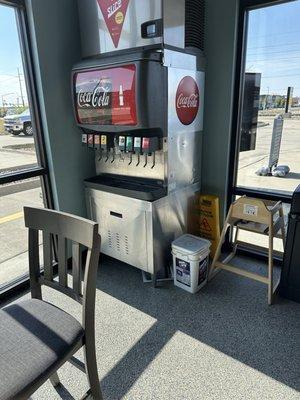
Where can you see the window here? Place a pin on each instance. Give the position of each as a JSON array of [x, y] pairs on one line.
[[23, 177], [267, 150]]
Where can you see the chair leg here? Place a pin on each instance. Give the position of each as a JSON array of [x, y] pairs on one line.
[[215, 259], [270, 265], [91, 371], [235, 240], [218, 250], [281, 214], [54, 379]]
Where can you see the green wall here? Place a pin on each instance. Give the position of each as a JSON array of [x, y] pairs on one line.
[[56, 47], [220, 39]]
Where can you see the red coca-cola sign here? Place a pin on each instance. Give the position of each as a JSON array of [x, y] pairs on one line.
[[187, 100], [114, 12]]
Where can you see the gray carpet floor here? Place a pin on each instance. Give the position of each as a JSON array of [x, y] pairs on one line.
[[223, 343]]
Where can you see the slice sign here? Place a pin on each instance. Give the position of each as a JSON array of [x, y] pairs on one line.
[[114, 12]]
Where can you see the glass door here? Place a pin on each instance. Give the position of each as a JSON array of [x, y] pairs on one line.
[[265, 159], [269, 146], [23, 172]]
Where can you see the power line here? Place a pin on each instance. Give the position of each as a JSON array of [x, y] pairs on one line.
[[8, 79], [275, 45], [273, 52], [279, 76], [274, 34], [278, 59]]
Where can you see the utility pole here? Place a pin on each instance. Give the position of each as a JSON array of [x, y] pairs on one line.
[[289, 99], [21, 90]]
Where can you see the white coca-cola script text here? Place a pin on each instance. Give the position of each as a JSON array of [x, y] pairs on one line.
[[100, 97], [190, 101]]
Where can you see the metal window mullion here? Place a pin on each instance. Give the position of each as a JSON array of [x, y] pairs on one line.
[[22, 175], [13, 3]]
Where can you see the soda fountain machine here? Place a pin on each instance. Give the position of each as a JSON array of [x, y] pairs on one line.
[[138, 98]]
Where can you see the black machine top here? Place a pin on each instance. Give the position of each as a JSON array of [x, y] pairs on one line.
[[295, 207], [137, 188]]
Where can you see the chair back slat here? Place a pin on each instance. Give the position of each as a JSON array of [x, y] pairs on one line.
[[65, 290], [62, 261], [76, 267], [81, 233], [34, 263], [48, 255]]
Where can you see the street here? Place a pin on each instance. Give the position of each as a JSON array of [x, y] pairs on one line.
[[251, 161], [21, 154], [16, 152]]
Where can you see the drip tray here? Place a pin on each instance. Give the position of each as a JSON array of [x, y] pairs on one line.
[[137, 188]]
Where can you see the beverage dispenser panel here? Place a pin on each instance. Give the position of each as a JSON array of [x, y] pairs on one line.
[[106, 96], [120, 98]]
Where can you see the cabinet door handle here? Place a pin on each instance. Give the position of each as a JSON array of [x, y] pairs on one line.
[[117, 215]]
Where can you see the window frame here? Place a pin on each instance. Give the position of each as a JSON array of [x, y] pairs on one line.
[[42, 169], [232, 190]]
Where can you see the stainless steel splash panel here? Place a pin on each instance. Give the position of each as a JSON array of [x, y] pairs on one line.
[[95, 36], [142, 236], [184, 141], [152, 167]]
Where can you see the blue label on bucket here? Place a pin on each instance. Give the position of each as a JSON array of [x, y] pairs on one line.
[[183, 272]]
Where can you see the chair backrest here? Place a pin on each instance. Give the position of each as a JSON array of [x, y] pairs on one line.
[[251, 209], [59, 228]]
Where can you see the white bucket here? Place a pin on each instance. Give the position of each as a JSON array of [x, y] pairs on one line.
[[190, 262]]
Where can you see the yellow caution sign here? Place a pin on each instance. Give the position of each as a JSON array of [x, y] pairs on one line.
[[204, 219]]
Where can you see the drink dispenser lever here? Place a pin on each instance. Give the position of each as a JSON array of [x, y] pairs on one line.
[[149, 147], [145, 149], [90, 140], [103, 147], [84, 139], [154, 146], [137, 144], [97, 143], [122, 146], [129, 147]]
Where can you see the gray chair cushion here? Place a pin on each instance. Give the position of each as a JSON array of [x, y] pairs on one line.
[[34, 337]]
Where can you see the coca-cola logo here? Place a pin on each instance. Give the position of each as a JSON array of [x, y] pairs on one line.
[[98, 98], [187, 100]]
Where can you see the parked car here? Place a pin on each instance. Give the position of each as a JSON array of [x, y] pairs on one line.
[[17, 123]]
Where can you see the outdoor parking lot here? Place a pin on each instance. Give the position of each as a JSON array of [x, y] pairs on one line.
[[16, 153], [253, 160]]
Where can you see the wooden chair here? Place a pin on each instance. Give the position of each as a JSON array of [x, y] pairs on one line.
[[253, 215], [37, 338]]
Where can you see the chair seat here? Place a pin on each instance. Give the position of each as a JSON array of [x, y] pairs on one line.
[[35, 336]]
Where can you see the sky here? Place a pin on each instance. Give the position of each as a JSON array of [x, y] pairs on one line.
[[10, 58], [273, 49]]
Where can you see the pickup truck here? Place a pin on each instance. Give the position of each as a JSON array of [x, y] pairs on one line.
[[15, 124]]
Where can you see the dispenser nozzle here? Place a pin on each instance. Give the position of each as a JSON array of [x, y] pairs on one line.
[[146, 160], [153, 164]]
